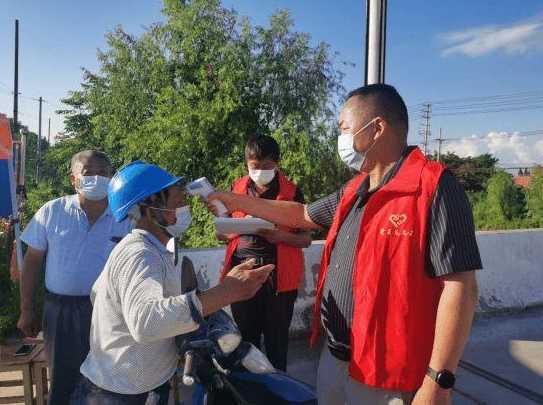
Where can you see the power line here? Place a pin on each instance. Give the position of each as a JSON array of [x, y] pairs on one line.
[[526, 108], [537, 132], [530, 100], [482, 98]]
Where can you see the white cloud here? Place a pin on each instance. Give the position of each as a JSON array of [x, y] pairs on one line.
[[518, 38], [510, 148]]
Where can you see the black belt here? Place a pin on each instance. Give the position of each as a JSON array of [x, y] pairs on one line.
[[66, 299]]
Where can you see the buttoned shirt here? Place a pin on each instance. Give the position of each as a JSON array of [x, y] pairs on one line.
[[76, 251]]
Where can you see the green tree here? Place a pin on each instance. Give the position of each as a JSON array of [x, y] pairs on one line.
[[534, 198], [503, 206], [472, 172], [188, 93]]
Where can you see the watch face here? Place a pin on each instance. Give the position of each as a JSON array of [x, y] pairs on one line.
[[445, 379]]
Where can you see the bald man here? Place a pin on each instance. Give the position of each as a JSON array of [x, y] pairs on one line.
[[397, 291]]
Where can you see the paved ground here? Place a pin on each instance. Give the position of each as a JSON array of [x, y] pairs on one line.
[[508, 346]]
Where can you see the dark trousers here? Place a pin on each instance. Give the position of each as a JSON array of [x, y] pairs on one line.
[[86, 393], [268, 313], [66, 329]]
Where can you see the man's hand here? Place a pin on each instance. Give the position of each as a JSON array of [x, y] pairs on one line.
[[28, 323], [225, 198], [243, 282], [430, 393]]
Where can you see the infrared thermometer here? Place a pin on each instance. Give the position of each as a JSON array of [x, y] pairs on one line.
[[203, 188]]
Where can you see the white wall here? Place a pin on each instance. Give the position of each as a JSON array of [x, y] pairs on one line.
[[513, 269], [512, 277]]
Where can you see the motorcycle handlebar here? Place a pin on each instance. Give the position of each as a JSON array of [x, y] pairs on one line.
[[188, 378]]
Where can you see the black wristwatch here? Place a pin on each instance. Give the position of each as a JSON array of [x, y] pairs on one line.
[[444, 378]]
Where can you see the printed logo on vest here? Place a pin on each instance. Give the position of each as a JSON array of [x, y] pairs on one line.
[[396, 220]]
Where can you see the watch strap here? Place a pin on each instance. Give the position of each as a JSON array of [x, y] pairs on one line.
[[432, 373]]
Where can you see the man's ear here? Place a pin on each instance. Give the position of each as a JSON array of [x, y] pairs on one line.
[[73, 180], [380, 126]]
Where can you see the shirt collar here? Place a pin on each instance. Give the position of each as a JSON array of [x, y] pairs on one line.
[[151, 238], [73, 202], [364, 187]]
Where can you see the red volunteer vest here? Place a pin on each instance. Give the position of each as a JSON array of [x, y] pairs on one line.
[[395, 302], [290, 260]]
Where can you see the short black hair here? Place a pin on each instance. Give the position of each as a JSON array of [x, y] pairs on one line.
[[262, 147], [385, 101]]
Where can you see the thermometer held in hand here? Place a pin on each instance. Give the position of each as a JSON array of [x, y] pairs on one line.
[[202, 187]]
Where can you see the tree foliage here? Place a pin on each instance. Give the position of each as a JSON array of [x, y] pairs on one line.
[[472, 172], [534, 198], [188, 93], [502, 206]]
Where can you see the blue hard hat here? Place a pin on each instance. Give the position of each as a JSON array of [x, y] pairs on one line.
[[135, 182]]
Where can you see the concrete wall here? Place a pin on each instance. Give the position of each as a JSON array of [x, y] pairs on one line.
[[512, 277]]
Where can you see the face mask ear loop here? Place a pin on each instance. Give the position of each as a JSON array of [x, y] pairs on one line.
[[152, 210]]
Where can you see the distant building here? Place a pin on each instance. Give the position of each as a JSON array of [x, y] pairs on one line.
[[523, 178]]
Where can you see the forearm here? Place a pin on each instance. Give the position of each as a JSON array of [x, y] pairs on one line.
[[286, 213], [454, 318], [30, 277], [298, 240], [214, 299]]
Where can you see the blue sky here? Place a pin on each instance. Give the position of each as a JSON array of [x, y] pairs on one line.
[[461, 49]]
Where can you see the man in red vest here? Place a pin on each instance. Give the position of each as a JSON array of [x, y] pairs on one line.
[[269, 312], [397, 291]]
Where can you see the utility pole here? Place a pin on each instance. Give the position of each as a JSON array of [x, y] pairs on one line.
[[49, 133], [22, 166], [426, 117], [376, 18], [16, 83], [439, 141], [38, 144]]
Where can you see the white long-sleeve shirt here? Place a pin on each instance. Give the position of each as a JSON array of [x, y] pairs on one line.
[[138, 309]]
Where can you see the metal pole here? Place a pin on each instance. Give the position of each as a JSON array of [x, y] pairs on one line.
[[38, 145], [16, 82], [440, 141], [49, 133], [376, 16], [23, 160], [426, 116]]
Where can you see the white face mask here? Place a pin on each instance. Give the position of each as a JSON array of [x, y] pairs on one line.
[[92, 187], [261, 177], [182, 222], [348, 154]]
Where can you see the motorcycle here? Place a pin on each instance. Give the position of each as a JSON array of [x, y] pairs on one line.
[[224, 370]]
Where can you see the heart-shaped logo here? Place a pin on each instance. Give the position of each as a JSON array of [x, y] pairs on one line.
[[397, 220]]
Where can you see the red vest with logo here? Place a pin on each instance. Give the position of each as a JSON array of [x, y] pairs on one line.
[[290, 260], [395, 301]]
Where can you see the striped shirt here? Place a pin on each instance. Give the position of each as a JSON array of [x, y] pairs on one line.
[[452, 247], [138, 309]]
